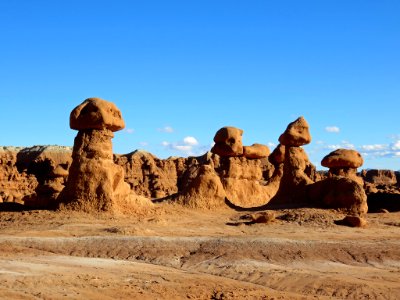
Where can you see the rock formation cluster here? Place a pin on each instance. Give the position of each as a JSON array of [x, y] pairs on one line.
[[91, 178]]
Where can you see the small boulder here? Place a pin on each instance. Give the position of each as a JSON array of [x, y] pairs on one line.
[[353, 221], [265, 217], [296, 134]]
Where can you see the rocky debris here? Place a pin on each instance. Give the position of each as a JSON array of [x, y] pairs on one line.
[[296, 134], [340, 193], [352, 221], [265, 217], [95, 182], [228, 142], [256, 151]]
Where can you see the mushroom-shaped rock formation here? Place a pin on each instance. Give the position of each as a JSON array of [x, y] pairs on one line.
[[296, 134], [95, 182], [343, 162], [228, 142], [256, 151]]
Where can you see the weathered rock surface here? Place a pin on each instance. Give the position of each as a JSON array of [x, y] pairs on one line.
[[256, 151], [339, 193], [296, 134], [343, 158], [95, 182], [95, 113], [150, 176], [228, 142]]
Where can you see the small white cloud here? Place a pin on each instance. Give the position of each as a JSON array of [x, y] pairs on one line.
[[189, 140], [396, 145], [143, 144], [165, 144], [183, 148], [129, 130], [332, 129], [166, 129], [271, 144], [376, 147]]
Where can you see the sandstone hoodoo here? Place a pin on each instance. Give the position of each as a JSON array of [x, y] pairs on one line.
[[289, 157], [343, 189], [228, 142], [343, 162], [95, 182]]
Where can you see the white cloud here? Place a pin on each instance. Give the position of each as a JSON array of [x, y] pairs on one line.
[[189, 140], [271, 144], [143, 144], [332, 129], [375, 147], [183, 148], [166, 129], [188, 146], [396, 145], [129, 130]]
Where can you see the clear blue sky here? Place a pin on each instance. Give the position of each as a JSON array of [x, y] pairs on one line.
[[180, 70]]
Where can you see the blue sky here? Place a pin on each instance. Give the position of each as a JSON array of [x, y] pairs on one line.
[[180, 70]]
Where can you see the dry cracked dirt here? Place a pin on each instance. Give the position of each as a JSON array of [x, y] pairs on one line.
[[171, 252]]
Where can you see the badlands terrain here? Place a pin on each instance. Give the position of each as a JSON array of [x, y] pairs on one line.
[[239, 222]]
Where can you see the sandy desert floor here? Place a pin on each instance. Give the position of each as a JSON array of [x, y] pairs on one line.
[[175, 253]]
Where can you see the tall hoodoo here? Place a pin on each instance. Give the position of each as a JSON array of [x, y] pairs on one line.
[[95, 182]]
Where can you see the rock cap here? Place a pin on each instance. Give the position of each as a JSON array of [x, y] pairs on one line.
[[228, 142], [343, 158], [296, 134], [96, 113]]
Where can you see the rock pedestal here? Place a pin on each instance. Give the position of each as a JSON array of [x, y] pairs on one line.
[[95, 182]]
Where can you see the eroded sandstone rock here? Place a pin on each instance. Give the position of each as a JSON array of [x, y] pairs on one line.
[[296, 134], [228, 142], [95, 182]]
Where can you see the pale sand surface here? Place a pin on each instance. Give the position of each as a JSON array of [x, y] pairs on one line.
[[177, 253]]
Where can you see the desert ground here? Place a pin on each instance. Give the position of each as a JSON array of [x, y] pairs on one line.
[[172, 252]]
